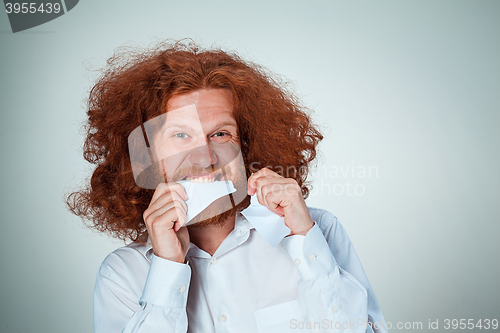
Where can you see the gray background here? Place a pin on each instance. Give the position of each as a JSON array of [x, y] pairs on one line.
[[410, 88]]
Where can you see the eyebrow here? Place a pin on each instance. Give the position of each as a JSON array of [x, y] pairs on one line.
[[178, 125], [222, 124], [227, 123]]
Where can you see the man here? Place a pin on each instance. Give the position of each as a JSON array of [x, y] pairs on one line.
[[168, 119]]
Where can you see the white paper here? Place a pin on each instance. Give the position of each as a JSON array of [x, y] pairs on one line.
[[271, 226], [201, 195]]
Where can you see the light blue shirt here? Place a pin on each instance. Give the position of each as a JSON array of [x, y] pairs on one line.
[[312, 283]]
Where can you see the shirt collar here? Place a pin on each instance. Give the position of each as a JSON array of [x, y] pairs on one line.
[[145, 249], [236, 237]]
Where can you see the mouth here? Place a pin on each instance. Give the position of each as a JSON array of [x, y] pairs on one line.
[[205, 178]]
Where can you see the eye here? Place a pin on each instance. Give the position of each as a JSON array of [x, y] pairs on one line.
[[221, 137], [180, 135]]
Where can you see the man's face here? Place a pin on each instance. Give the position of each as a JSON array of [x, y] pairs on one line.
[[198, 141], [199, 138]]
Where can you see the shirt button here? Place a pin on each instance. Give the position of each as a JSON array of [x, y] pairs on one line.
[[312, 257], [297, 262], [183, 289], [213, 261], [223, 318], [335, 309]]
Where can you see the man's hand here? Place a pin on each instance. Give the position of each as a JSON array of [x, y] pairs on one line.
[[282, 196], [164, 219]]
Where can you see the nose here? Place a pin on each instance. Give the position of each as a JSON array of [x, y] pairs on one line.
[[203, 156]]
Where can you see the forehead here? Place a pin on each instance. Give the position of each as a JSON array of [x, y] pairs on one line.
[[209, 103]]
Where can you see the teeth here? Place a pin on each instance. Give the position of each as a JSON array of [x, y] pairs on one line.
[[201, 180], [205, 179]]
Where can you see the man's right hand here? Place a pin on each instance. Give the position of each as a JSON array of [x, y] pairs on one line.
[[164, 219]]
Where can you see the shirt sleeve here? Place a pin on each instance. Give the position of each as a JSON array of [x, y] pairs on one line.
[[160, 308], [333, 286]]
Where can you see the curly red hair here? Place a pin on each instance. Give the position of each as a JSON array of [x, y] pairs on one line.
[[275, 130]]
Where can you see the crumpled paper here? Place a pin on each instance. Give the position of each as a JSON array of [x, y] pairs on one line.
[[200, 195], [270, 226]]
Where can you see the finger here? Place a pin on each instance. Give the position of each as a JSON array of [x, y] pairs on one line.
[[157, 203], [259, 183], [173, 207], [176, 187], [273, 197], [177, 204], [168, 217], [180, 221], [267, 181], [163, 188], [252, 181], [266, 172], [166, 198], [163, 204], [280, 194]]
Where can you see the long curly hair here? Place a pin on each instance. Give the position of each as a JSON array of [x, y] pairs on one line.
[[275, 130]]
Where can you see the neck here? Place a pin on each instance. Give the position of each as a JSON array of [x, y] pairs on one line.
[[209, 237]]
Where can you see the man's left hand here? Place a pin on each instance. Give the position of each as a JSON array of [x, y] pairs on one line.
[[282, 196]]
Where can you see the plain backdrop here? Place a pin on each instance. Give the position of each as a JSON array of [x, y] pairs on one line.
[[407, 94]]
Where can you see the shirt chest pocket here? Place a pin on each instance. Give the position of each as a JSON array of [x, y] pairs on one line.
[[280, 318]]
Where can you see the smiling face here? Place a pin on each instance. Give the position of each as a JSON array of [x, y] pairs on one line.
[[198, 140]]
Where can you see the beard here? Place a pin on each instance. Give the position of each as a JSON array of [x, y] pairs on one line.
[[229, 166], [218, 212], [227, 206], [220, 219]]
